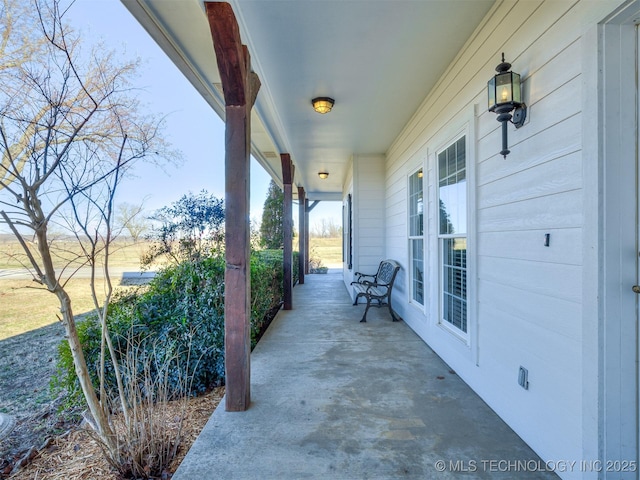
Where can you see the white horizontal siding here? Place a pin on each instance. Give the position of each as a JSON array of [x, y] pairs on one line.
[[368, 214], [529, 297], [545, 375], [555, 317], [371, 251], [560, 210], [553, 280], [560, 175], [529, 245], [564, 139]]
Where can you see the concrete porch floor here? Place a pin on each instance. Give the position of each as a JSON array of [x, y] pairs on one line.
[[333, 398]]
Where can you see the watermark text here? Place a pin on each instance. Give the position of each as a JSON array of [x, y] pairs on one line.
[[556, 466]]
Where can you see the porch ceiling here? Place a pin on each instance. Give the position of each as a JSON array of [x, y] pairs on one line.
[[377, 59]]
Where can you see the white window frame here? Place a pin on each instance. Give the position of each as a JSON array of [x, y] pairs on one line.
[[446, 340], [419, 238], [464, 336]]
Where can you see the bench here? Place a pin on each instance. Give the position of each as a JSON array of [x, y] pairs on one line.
[[377, 287]]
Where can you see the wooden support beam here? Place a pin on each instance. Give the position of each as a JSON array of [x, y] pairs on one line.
[[288, 171], [240, 86], [302, 235], [230, 52]]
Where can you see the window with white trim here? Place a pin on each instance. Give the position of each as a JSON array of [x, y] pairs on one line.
[[452, 235], [416, 236]]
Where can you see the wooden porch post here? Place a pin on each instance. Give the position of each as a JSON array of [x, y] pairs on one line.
[[240, 86], [287, 229], [302, 235]]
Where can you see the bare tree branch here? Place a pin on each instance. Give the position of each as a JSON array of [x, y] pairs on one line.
[[69, 130], [24, 246]]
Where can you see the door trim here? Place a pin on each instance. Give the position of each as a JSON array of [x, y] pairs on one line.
[[617, 237]]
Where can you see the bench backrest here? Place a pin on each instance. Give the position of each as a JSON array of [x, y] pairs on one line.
[[387, 272]]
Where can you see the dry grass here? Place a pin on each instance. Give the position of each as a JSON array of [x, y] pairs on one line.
[[123, 254], [27, 306], [328, 250]]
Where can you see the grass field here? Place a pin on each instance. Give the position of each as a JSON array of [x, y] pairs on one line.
[[328, 250], [123, 254], [25, 306]]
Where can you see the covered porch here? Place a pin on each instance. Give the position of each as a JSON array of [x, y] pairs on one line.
[[335, 398]]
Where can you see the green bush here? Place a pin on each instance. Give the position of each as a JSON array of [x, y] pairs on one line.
[[266, 287], [177, 320], [274, 257]]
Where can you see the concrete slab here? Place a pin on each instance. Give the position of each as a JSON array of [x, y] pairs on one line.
[[335, 398]]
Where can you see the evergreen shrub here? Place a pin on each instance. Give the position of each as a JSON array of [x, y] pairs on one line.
[[178, 319]]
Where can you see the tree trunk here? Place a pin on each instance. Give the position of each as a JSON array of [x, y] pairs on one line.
[[98, 411]]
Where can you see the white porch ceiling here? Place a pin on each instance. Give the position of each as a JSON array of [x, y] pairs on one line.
[[378, 59]]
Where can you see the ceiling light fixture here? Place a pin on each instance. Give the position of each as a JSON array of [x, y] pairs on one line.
[[322, 104], [323, 175]]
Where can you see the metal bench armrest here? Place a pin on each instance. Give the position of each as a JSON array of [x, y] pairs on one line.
[[361, 276], [371, 285]]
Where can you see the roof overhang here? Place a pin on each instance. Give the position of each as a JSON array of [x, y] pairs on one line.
[[377, 59]]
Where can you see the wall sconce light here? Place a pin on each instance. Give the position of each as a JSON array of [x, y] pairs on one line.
[[505, 96], [322, 104], [323, 175]]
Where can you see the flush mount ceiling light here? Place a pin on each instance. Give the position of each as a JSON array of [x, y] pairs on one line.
[[322, 104], [323, 175], [505, 96]]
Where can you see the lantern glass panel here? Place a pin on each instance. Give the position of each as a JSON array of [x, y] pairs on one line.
[[517, 93], [491, 88], [504, 91]]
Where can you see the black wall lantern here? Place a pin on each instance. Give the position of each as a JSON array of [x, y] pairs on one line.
[[505, 96]]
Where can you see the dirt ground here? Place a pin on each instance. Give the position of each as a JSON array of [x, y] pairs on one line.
[[27, 363], [75, 455], [62, 449]]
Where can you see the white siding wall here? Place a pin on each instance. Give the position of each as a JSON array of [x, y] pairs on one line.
[[368, 214], [347, 189], [528, 297]]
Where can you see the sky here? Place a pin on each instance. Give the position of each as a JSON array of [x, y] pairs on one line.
[[191, 125]]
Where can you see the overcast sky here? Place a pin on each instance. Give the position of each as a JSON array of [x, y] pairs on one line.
[[192, 126]]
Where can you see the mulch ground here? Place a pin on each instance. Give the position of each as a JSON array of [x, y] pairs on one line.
[[57, 447], [75, 455]]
